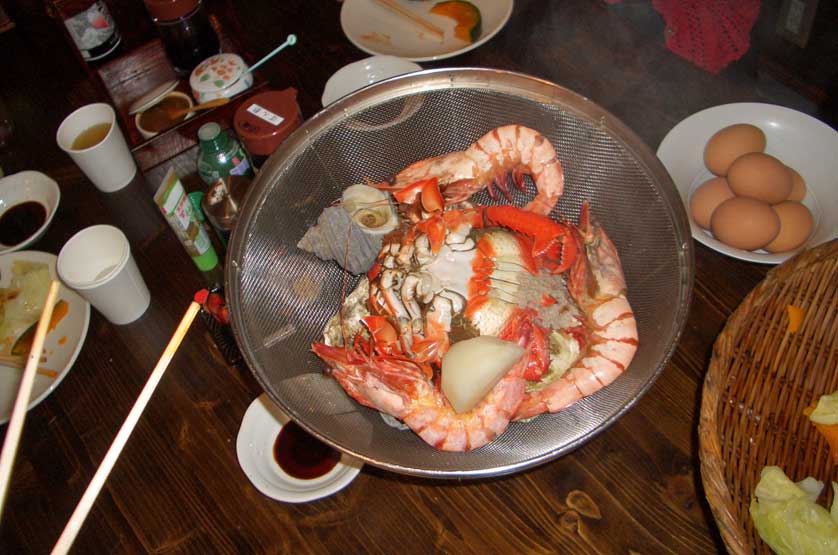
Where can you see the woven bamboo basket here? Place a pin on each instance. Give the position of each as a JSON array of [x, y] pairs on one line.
[[760, 379]]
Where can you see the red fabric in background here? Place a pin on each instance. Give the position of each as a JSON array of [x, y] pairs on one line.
[[708, 33]]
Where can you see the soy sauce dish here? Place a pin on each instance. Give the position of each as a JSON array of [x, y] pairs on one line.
[[284, 462], [28, 202]]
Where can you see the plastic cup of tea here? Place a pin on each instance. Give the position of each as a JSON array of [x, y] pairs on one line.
[[93, 139], [96, 262]]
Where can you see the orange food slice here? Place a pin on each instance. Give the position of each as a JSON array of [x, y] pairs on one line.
[[467, 16], [795, 318], [828, 431]]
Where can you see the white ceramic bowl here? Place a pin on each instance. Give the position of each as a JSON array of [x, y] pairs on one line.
[[260, 426], [364, 72], [798, 140], [29, 186]]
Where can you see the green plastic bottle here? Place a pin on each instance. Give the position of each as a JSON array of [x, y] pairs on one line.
[[221, 155]]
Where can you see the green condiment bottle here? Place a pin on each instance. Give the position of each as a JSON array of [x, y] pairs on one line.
[[177, 209], [221, 155]]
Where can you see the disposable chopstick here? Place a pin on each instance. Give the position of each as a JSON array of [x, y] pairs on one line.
[[71, 530], [417, 19], [20, 363], [13, 433]]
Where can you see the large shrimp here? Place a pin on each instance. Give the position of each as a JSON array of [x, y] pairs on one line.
[[511, 149], [401, 388], [598, 286]]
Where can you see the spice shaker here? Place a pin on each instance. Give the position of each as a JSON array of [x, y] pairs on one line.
[[185, 30], [265, 120]]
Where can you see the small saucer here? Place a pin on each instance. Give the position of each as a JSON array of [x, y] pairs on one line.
[[254, 447]]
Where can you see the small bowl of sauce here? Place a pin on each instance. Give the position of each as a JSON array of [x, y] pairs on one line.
[[28, 202], [284, 461], [152, 111]]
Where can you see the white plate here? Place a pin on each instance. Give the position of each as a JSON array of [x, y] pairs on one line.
[[800, 141], [377, 30], [29, 186], [254, 447], [61, 347], [365, 72]]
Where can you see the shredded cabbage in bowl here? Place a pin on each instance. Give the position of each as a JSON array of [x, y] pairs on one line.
[[789, 520]]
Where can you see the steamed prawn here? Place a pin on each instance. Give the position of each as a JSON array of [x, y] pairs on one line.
[[511, 149], [553, 288]]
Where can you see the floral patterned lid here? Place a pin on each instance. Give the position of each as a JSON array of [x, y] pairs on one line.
[[217, 72]]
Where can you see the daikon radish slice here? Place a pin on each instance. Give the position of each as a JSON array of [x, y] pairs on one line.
[[471, 368]]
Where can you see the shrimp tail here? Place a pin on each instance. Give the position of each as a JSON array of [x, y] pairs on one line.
[[597, 284]]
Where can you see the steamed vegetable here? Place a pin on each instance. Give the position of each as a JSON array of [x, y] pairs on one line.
[[795, 318], [788, 519], [467, 15], [22, 301], [824, 415], [471, 368]]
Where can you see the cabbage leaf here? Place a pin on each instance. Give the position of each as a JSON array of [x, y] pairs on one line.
[[788, 519]]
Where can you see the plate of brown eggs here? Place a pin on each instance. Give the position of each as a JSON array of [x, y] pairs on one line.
[[758, 181]]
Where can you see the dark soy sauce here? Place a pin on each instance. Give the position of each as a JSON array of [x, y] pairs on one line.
[[19, 222], [301, 455]]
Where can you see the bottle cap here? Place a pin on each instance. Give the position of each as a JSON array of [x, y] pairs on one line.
[[169, 10], [266, 119]]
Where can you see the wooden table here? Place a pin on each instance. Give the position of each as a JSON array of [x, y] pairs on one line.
[[178, 487]]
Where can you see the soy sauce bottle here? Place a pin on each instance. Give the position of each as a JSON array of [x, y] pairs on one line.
[[185, 30]]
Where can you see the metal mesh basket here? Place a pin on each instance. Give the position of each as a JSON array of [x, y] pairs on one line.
[[282, 297]]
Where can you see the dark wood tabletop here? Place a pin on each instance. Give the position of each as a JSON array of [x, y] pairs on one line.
[[178, 487]]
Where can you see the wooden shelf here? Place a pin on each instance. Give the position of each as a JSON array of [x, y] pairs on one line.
[[128, 77]]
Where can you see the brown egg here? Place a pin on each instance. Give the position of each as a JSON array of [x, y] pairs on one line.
[[729, 143], [796, 224], [706, 198], [798, 186], [745, 223], [760, 176]]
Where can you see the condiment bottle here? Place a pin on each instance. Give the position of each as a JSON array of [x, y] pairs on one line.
[[176, 207], [185, 30], [266, 119], [89, 24], [222, 202], [220, 155]]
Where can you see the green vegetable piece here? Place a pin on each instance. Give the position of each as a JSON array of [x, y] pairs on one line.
[[826, 411], [788, 519]]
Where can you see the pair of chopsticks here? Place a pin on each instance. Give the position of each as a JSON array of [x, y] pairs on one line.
[[71, 530], [413, 17]]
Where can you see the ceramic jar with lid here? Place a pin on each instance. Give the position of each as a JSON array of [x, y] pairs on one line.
[[220, 76], [185, 30], [266, 119]]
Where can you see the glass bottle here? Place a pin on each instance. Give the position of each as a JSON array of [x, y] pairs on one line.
[[225, 167], [90, 26], [185, 30], [221, 155]]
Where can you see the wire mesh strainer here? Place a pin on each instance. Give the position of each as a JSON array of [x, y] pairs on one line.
[[281, 297]]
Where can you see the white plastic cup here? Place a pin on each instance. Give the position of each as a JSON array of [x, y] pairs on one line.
[[96, 262], [108, 163]]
